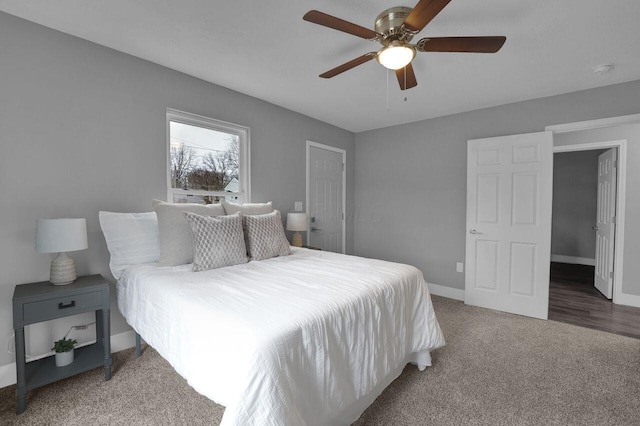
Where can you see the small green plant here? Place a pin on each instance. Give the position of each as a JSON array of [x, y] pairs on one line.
[[64, 345]]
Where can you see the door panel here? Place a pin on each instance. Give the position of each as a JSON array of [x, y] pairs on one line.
[[486, 264], [509, 193], [526, 154], [488, 156], [605, 223], [523, 269], [523, 196], [326, 210], [489, 194]]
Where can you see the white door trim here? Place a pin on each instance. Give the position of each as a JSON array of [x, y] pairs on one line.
[[344, 187], [618, 256], [594, 124]]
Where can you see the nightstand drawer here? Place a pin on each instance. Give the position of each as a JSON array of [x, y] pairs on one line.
[[53, 308]]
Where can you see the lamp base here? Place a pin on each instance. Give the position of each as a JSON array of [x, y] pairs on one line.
[[63, 270], [296, 241]]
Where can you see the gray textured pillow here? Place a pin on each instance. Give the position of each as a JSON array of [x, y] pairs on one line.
[[247, 208], [265, 236], [217, 241], [176, 238]]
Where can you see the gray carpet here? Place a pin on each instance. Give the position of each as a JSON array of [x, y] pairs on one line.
[[497, 369]]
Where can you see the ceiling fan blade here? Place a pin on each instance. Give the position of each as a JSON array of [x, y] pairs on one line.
[[406, 77], [461, 44], [347, 66], [423, 13], [339, 24]]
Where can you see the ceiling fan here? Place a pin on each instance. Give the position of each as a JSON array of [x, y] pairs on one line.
[[394, 29]]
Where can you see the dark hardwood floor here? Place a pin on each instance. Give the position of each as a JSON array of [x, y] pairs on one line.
[[573, 299]]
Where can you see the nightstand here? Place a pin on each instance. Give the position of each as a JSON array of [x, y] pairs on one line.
[[43, 301]]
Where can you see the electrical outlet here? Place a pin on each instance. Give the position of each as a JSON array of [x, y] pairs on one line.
[[298, 206], [459, 267]]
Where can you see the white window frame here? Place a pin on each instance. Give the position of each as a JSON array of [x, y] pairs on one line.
[[243, 134]]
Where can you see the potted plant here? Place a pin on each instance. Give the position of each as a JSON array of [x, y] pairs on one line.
[[64, 351]]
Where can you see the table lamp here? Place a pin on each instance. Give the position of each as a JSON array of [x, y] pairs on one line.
[[296, 222], [61, 236]]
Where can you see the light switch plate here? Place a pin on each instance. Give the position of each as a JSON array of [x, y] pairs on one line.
[[298, 206], [459, 267]]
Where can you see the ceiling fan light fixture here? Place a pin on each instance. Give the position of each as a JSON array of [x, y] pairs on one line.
[[396, 55]]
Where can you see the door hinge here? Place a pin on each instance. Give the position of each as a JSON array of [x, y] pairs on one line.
[[343, 167], [615, 164], [611, 274], [613, 219]]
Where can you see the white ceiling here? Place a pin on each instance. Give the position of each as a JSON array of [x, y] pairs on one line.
[[265, 49]]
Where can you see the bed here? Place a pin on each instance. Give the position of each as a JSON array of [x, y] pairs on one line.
[[306, 339]]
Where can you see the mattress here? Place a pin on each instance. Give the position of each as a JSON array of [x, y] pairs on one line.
[[306, 339]]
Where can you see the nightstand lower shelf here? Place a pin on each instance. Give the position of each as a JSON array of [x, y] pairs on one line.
[[44, 371]]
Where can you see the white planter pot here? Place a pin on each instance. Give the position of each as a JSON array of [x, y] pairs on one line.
[[64, 358]]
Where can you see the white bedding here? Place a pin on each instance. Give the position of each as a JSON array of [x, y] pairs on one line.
[[307, 339]]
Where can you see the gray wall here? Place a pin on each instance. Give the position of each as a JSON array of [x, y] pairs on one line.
[[82, 129], [410, 183], [575, 195], [630, 133]]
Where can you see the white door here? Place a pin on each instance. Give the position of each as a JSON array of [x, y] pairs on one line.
[[605, 225], [508, 246], [325, 194]]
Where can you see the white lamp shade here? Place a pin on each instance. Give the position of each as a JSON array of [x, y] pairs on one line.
[[61, 235], [296, 221]]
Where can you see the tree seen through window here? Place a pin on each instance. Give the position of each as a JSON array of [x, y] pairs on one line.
[[203, 159]]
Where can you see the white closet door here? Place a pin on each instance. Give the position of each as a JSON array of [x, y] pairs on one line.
[[326, 208]]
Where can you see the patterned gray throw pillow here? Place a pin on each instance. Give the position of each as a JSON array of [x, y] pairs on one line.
[[217, 241], [265, 236]]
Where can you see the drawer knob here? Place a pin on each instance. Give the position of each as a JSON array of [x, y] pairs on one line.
[[68, 305]]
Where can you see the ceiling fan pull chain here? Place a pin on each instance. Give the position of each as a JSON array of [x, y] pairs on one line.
[[388, 71], [405, 81]]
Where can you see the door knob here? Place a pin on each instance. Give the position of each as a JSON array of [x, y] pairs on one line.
[[595, 228], [315, 229], [474, 232]]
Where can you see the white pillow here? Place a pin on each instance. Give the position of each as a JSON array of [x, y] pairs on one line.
[[176, 238], [264, 236], [132, 239], [247, 208], [217, 241]]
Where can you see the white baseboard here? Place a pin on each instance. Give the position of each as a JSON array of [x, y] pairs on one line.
[[628, 300], [573, 260], [8, 375], [119, 342], [122, 341], [444, 291]]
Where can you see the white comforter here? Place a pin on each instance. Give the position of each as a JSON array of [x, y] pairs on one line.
[[307, 339]]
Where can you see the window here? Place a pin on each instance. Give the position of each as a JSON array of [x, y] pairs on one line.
[[207, 159]]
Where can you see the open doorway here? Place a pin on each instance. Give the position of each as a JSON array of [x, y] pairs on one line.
[[574, 211], [583, 242]]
